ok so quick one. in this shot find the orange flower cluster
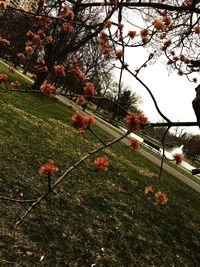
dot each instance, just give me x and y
(80, 100)
(161, 198)
(48, 88)
(135, 122)
(120, 26)
(101, 164)
(158, 24)
(197, 29)
(3, 77)
(66, 12)
(167, 20)
(37, 40)
(76, 70)
(162, 24)
(166, 44)
(149, 190)
(43, 21)
(119, 54)
(60, 70)
(144, 35)
(105, 48)
(48, 168)
(29, 50)
(107, 24)
(30, 34)
(34, 77)
(184, 59)
(178, 158)
(67, 26)
(89, 89)
(132, 34)
(41, 34)
(16, 84)
(82, 122)
(135, 144)
(49, 39)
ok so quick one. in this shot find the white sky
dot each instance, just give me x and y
(173, 93)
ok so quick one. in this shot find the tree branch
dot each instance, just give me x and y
(67, 172)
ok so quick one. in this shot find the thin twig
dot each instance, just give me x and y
(17, 200)
(163, 157)
(96, 136)
(88, 165)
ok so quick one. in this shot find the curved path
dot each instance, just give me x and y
(111, 130)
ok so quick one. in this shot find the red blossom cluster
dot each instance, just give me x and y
(82, 122)
(16, 84)
(161, 198)
(107, 24)
(48, 88)
(132, 34)
(49, 39)
(144, 35)
(89, 89)
(197, 29)
(135, 122)
(76, 70)
(66, 12)
(80, 100)
(135, 144)
(67, 26)
(119, 54)
(178, 158)
(149, 190)
(48, 168)
(3, 77)
(162, 24)
(37, 40)
(43, 21)
(60, 70)
(34, 77)
(30, 34)
(101, 164)
(104, 45)
(29, 50)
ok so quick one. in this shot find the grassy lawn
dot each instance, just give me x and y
(13, 76)
(93, 218)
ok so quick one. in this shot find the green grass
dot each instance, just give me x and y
(13, 76)
(101, 218)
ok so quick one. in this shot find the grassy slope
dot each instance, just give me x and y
(101, 218)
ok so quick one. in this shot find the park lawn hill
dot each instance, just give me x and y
(91, 218)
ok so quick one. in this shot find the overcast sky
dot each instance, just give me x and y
(173, 93)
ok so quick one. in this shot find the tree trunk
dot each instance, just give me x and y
(41, 77)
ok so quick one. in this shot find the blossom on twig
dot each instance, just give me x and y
(101, 164)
